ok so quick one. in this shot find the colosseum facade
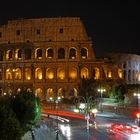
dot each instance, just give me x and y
(49, 56)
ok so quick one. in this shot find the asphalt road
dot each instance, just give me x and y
(76, 129)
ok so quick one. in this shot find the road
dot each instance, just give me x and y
(76, 129)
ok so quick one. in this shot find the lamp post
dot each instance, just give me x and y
(57, 129)
(138, 98)
(86, 106)
(101, 90)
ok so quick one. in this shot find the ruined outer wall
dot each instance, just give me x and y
(43, 29)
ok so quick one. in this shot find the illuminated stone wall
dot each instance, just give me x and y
(48, 56)
(130, 64)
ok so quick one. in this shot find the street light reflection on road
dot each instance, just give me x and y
(101, 90)
(66, 131)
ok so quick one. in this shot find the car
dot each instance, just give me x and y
(127, 130)
(115, 127)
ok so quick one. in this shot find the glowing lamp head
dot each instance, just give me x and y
(82, 106)
(138, 115)
(59, 98)
(50, 98)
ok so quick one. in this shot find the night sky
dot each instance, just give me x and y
(113, 26)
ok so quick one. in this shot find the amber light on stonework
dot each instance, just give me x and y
(73, 75)
(120, 73)
(109, 74)
(51, 75)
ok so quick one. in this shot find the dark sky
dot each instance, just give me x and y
(112, 25)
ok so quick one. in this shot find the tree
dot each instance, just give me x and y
(88, 87)
(12, 129)
(18, 114)
(118, 91)
(27, 109)
(9, 125)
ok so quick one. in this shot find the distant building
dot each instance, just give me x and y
(49, 56)
(130, 65)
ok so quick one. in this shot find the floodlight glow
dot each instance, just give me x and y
(50, 98)
(82, 106)
(76, 110)
(59, 98)
(94, 110)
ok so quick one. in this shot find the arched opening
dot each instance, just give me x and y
(61, 74)
(8, 74)
(18, 54)
(73, 92)
(49, 74)
(96, 73)
(9, 55)
(38, 74)
(109, 74)
(17, 74)
(84, 73)
(73, 74)
(49, 53)
(61, 93)
(72, 53)
(39, 93)
(61, 53)
(120, 73)
(27, 74)
(38, 53)
(50, 96)
(84, 53)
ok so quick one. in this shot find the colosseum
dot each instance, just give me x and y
(49, 56)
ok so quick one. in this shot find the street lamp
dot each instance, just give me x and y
(57, 129)
(86, 106)
(138, 98)
(101, 90)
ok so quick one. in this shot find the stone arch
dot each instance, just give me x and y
(49, 53)
(72, 53)
(18, 54)
(9, 55)
(73, 92)
(84, 72)
(49, 73)
(17, 72)
(84, 53)
(61, 93)
(28, 73)
(39, 93)
(8, 74)
(50, 96)
(72, 73)
(38, 53)
(38, 74)
(61, 74)
(96, 73)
